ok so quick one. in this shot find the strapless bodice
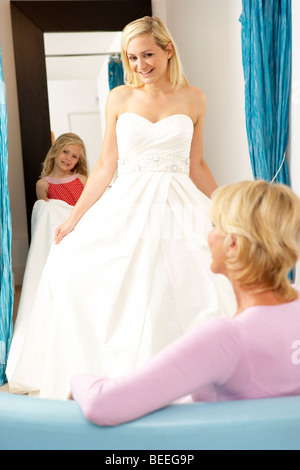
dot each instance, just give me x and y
(162, 146)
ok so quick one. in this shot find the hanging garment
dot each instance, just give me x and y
(115, 72)
(266, 46)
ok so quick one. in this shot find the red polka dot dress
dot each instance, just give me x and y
(65, 189)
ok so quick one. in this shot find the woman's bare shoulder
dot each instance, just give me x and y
(118, 98)
(120, 93)
(197, 100)
(194, 102)
(197, 94)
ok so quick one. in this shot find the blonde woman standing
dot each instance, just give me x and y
(130, 271)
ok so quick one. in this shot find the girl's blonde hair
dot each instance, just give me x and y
(58, 147)
(265, 219)
(154, 27)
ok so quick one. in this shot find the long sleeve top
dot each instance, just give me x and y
(253, 355)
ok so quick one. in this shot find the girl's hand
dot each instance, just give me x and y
(63, 230)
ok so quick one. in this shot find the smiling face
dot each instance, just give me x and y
(68, 159)
(148, 60)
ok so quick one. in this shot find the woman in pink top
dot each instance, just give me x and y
(64, 173)
(255, 242)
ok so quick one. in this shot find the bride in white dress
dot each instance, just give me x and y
(130, 271)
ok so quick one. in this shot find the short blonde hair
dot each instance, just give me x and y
(58, 147)
(154, 27)
(265, 219)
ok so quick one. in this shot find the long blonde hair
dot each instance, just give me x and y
(265, 219)
(58, 147)
(154, 27)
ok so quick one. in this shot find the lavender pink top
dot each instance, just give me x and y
(253, 355)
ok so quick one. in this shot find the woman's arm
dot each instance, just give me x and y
(200, 173)
(206, 356)
(101, 175)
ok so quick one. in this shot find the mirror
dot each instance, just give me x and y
(78, 84)
(30, 20)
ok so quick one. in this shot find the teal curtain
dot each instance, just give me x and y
(115, 72)
(266, 47)
(6, 284)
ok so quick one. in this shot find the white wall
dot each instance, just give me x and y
(15, 164)
(208, 36)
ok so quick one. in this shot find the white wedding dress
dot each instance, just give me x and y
(132, 277)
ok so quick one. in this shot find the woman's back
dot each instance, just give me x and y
(269, 336)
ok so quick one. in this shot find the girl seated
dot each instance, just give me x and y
(254, 242)
(60, 186)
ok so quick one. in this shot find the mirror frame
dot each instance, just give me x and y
(30, 20)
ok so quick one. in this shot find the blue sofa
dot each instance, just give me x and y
(267, 424)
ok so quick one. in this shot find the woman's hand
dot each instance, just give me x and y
(63, 230)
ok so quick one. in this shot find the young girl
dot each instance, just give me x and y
(64, 170)
(61, 184)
